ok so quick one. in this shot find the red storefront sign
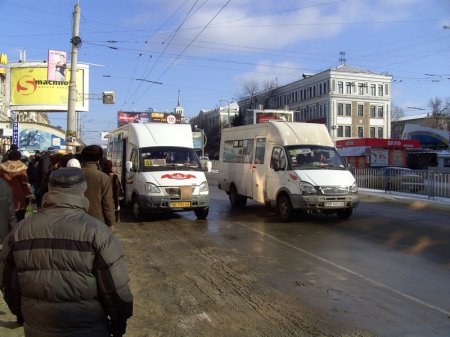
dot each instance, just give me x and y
(379, 142)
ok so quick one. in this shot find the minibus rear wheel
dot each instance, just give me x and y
(236, 200)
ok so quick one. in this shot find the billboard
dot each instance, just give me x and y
(165, 117)
(57, 64)
(125, 117)
(30, 88)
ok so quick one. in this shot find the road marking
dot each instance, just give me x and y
(376, 283)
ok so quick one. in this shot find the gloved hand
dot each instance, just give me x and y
(117, 329)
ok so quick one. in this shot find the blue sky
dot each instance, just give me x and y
(208, 49)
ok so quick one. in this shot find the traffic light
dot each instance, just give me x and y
(109, 97)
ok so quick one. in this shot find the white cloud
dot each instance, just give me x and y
(284, 72)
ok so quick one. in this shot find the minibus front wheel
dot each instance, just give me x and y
(284, 208)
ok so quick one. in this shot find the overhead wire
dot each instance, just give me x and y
(166, 45)
(188, 45)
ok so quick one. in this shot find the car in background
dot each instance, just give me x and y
(393, 178)
(206, 163)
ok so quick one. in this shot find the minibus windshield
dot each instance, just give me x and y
(168, 158)
(314, 157)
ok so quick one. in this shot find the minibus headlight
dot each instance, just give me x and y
(152, 188)
(307, 188)
(354, 188)
(204, 187)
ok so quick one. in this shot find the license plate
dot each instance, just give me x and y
(180, 204)
(334, 204)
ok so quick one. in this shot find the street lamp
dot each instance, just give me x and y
(415, 108)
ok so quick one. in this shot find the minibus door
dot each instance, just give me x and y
(258, 170)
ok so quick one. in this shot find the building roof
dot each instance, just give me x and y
(350, 69)
(412, 117)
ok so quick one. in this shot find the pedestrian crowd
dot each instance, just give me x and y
(62, 269)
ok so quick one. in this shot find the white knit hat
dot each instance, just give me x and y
(73, 163)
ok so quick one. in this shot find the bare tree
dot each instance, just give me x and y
(397, 113)
(250, 89)
(439, 108)
(268, 88)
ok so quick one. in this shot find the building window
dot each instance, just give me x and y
(348, 109)
(341, 87)
(380, 90)
(372, 132)
(325, 88)
(348, 131)
(380, 112)
(320, 89)
(360, 132)
(373, 111)
(373, 90)
(348, 87)
(360, 110)
(340, 109)
(340, 131)
(380, 132)
(361, 88)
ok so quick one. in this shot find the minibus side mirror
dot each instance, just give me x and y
(128, 166)
(276, 165)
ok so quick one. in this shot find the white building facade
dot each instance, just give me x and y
(351, 102)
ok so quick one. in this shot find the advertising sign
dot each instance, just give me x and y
(197, 138)
(57, 64)
(164, 117)
(264, 117)
(3, 58)
(379, 142)
(379, 157)
(125, 117)
(32, 90)
(15, 139)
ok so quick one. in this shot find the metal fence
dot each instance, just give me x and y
(423, 182)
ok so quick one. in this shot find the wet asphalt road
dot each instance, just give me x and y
(384, 272)
(386, 269)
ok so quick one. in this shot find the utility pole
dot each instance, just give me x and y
(71, 131)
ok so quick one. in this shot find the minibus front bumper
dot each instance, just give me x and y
(322, 202)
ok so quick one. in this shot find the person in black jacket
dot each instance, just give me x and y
(7, 210)
(62, 272)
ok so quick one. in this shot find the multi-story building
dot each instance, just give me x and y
(212, 122)
(351, 102)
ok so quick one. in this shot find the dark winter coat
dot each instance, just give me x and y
(99, 193)
(64, 272)
(15, 174)
(43, 168)
(7, 209)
